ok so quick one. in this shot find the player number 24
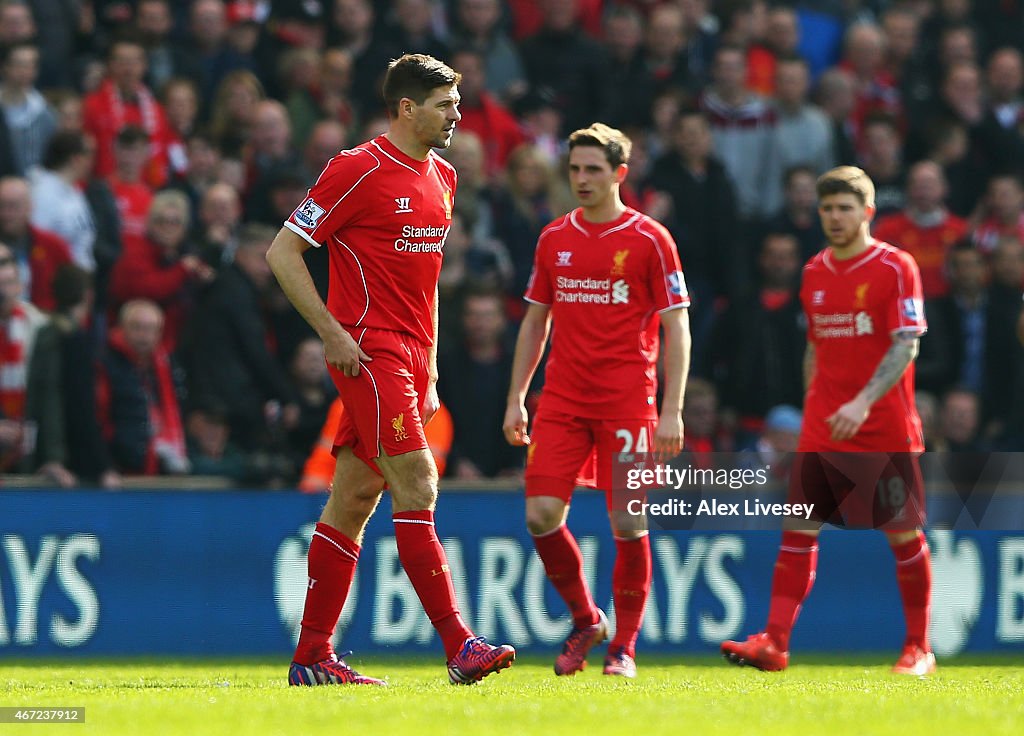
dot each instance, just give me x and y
(627, 440)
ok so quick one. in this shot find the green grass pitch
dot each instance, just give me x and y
(672, 696)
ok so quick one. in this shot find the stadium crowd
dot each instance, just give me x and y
(150, 150)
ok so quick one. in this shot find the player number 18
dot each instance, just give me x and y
(892, 492)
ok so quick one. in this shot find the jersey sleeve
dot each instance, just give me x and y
(332, 202)
(539, 287)
(668, 287)
(905, 311)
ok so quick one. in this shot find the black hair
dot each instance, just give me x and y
(70, 285)
(131, 135)
(63, 146)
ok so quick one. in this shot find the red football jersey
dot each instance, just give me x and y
(928, 245)
(606, 283)
(385, 217)
(853, 309)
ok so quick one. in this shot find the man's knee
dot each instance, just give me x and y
(628, 526)
(355, 485)
(363, 493)
(544, 514)
(412, 478)
(415, 496)
(354, 497)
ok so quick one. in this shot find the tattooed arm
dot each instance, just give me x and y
(850, 416)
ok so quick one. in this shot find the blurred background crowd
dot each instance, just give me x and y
(150, 150)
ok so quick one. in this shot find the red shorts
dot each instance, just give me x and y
(860, 490)
(384, 403)
(566, 451)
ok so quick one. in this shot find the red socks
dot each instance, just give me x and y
(564, 565)
(914, 576)
(794, 576)
(631, 583)
(425, 563)
(331, 565)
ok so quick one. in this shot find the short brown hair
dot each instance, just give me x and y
(847, 180)
(415, 76)
(615, 144)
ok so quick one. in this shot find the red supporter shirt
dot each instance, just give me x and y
(761, 63)
(384, 217)
(853, 309)
(497, 129)
(133, 200)
(988, 234)
(105, 113)
(47, 253)
(928, 246)
(606, 283)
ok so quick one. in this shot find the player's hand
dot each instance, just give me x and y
(342, 352)
(432, 402)
(514, 426)
(668, 437)
(848, 419)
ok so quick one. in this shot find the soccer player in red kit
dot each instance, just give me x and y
(864, 313)
(606, 276)
(383, 210)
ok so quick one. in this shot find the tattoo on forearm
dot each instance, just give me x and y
(893, 364)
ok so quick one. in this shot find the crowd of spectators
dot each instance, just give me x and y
(149, 150)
